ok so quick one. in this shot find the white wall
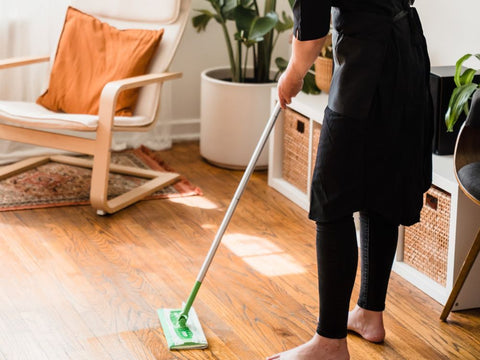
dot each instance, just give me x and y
(451, 28)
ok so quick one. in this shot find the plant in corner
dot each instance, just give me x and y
(461, 95)
(254, 33)
(234, 101)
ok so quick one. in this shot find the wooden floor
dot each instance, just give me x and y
(74, 285)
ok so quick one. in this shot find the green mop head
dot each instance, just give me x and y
(184, 334)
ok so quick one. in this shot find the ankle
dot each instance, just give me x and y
(331, 346)
(367, 315)
(367, 323)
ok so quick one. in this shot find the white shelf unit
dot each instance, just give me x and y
(464, 215)
(312, 107)
(464, 224)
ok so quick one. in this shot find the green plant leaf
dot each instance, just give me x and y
(281, 63)
(201, 21)
(285, 24)
(262, 25)
(281, 66)
(467, 76)
(458, 67)
(466, 108)
(309, 85)
(458, 101)
(228, 9)
(244, 19)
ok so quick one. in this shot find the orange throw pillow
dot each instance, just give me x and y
(91, 53)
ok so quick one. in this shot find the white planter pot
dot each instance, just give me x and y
(232, 118)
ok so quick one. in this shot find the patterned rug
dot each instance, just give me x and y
(55, 184)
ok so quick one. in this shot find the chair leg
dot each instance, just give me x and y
(22, 166)
(99, 183)
(462, 276)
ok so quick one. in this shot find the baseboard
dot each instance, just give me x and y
(184, 129)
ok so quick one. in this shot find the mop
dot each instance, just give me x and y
(181, 327)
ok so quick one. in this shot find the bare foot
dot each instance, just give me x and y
(368, 324)
(318, 348)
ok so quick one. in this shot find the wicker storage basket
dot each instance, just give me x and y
(296, 136)
(426, 243)
(323, 73)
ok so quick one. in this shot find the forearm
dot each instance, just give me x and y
(304, 54)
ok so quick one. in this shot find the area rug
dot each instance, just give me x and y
(55, 184)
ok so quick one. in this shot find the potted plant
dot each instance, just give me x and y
(235, 100)
(255, 34)
(461, 95)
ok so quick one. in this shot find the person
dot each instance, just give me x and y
(374, 155)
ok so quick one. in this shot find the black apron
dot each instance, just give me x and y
(375, 145)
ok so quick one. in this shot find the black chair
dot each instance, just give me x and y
(467, 172)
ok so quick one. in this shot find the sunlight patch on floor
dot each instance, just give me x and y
(210, 226)
(195, 201)
(262, 255)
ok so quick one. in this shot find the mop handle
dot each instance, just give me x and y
(238, 193)
(231, 208)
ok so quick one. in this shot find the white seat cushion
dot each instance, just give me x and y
(32, 114)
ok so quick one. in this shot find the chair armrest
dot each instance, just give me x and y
(19, 61)
(138, 81)
(108, 98)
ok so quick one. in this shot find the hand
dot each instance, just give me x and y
(289, 85)
(304, 54)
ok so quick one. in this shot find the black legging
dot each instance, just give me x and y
(337, 258)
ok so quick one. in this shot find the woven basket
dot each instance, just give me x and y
(296, 131)
(426, 243)
(323, 73)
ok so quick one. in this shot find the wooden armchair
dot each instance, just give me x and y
(467, 172)
(34, 124)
